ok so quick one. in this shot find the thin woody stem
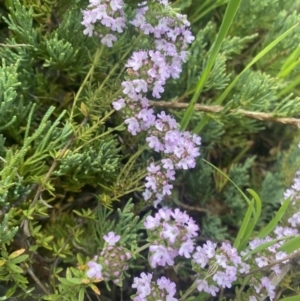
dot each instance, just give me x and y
(218, 109)
(56, 161)
(293, 255)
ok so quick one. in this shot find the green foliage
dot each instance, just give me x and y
(68, 168)
(6, 231)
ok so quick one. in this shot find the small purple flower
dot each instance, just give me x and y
(261, 261)
(163, 288)
(119, 104)
(222, 279)
(186, 248)
(116, 4)
(133, 125)
(94, 270)
(210, 289)
(108, 40)
(160, 256)
(111, 238)
(143, 284)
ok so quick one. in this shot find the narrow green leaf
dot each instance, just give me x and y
(52, 297)
(291, 245)
(247, 226)
(253, 222)
(19, 278)
(257, 212)
(230, 12)
(19, 259)
(244, 226)
(289, 87)
(254, 60)
(75, 280)
(263, 247)
(65, 281)
(274, 222)
(14, 268)
(81, 295)
(10, 291)
(262, 53)
(294, 298)
(222, 173)
(288, 62)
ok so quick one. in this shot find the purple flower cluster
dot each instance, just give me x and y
(94, 270)
(171, 234)
(111, 263)
(147, 290)
(220, 264)
(262, 287)
(147, 72)
(260, 282)
(294, 191)
(168, 36)
(108, 13)
(268, 255)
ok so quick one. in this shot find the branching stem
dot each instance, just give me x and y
(218, 109)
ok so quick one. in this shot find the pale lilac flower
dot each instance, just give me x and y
(200, 257)
(116, 4)
(94, 270)
(276, 269)
(100, 12)
(222, 260)
(186, 248)
(140, 85)
(154, 143)
(157, 89)
(287, 231)
(270, 288)
(222, 264)
(137, 59)
(295, 219)
(119, 104)
(222, 279)
(89, 30)
(108, 40)
(170, 232)
(133, 125)
(209, 249)
(118, 24)
(244, 268)
(147, 194)
(151, 222)
(143, 284)
(163, 288)
(160, 256)
(111, 238)
(210, 289)
(261, 261)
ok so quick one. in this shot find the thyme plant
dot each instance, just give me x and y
(146, 148)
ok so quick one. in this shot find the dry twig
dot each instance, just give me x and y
(218, 109)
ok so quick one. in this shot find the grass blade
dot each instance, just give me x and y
(291, 245)
(244, 225)
(274, 222)
(222, 173)
(262, 53)
(231, 10)
(293, 298)
(252, 224)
